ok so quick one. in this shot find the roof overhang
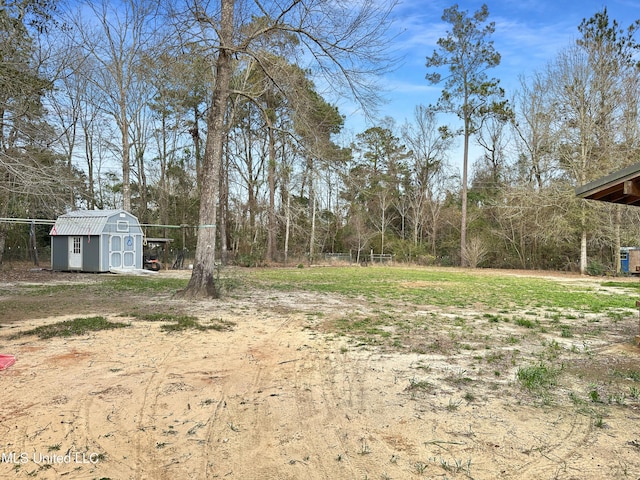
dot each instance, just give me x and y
(621, 187)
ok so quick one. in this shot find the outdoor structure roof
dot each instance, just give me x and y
(622, 187)
(83, 222)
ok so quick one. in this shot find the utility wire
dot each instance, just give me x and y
(42, 221)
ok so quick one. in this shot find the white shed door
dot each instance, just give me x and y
(75, 253)
(123, 251)
(128, 252)
(115, 249)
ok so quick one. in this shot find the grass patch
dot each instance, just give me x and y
(177, 323)
(537, 377)
(183, 322)
(154, 317)
(565, 331)
(627, 285)
(71, 328)
(445, 288)
(363, 326)
(142, 285)
(524, 322)
(418, 385)
(492, 318)
(91, 295)
(370, 330)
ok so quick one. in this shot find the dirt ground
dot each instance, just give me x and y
(276, 398)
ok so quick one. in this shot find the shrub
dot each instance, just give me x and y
(596, 269)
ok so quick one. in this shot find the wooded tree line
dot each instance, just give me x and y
(110, 105)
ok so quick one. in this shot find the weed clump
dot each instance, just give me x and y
(537, 377)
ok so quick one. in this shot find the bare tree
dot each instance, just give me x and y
(116, 41)
(586, 87)
(493, 138)
(429, 144)
(612, 53)
(346, 43)
(532, 124)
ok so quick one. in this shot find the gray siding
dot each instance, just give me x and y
(91, 254)
(59, 253)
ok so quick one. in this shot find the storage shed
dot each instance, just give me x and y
(96, 241)
(630, 260)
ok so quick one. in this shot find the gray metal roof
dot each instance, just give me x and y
(86, 222)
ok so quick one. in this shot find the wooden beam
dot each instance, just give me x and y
(631, 188)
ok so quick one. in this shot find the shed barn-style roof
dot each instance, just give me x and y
(84, 222)
(622, 187)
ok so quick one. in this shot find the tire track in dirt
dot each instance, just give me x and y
(92, 403)
(148, 462)
(325, 400)
(561, 444)
(369, 444)
(500, 443)
(285, 410)
(211, 422)
(100, 420)
(177, 407)
(249, 417)
(50, 415)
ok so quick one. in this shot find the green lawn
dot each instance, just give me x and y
(443, 288)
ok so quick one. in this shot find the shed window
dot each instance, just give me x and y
(76, 245)
(122, 226)
(624, 255)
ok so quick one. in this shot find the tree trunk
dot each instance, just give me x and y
(271, 174)
(382, 230)
(287, 229)
(142, 187)
(203, 283)
(463, 221)
(3, 239)
(618, 241)
(195, 135)
(224, 208)
(126, 165)
(583, 243)
(90, 163)
(163, 193)
(312, 240)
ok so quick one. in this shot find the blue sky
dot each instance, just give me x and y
(528, 34)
